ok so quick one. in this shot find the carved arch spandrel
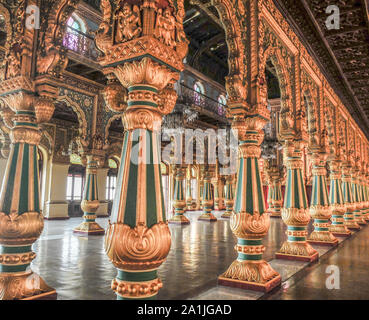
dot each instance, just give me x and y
(82, 129)
(236, 36)
(330, 122)
(108, 125)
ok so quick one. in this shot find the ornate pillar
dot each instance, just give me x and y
(275, 200)
(207, 200)
(336, 200)
(201, 189)
(249, 221)
(366, 191)
(90, 201)
(320, 209)
(179, 200)
(144, 51)
(21, 220)
(364, 208)
(229, 197)
(295, 213)
(350, 221)
(356, 196)
(189, 190)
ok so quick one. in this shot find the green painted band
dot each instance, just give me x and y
(27, 124)
(335, 223)
(290, 238)
(147, 88)
(321, 229)
(248, 141)
(19, 268)
(142, 103)
(30, 113)
(10, 250)
(244, 242)
(245, 257)
(292, 228)
(321, 220)
(89, 220)
(137, 276)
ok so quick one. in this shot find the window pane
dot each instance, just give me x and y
(77, 192)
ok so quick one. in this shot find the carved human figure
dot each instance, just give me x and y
(129, 23)
(165, 27)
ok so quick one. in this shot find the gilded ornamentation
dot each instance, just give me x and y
(140, 248)
(142, 290)
(20, 229)
(245, 225)
(128, 22)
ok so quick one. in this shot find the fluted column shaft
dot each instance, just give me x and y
(21, 220)
(356, 196)
(229, 198)
(320, 209)
(207, 200)
(350, 221)
(275, 199)
(90, 201)
(249, 220)
(336, 200)
(179, 200)
(189, 195)
(295, 209)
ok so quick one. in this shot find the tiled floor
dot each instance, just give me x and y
(78, 268)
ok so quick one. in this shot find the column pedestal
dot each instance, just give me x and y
(90, 202)
(229, 198)
(179, 201)
(207, 201)
(295, 213)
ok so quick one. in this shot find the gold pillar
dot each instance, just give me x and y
(144, 51)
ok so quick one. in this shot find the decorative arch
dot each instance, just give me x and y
(108, 124)
(233, 19)
(82, 130)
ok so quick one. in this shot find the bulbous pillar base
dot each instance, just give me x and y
(359, 219)
(250, 275)
(276, 212)
(179, 219)
(338, 227)
(321, 234)
(89, 228)
(350, 222)
(25, 286)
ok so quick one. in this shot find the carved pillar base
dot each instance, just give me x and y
(24, 285)
(179, 201)
(229, 198)
(321, 234)
(249, 271)
(338, 227)
(276, 211)
(90, 202)
(207, 202)
(295, 214)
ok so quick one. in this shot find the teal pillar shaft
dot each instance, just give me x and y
(295, 209)
(356, 197)
(138, 239)
(350, 220)
(320, 209)
(21, 220)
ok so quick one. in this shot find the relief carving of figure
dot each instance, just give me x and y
(165, 27)
(129, 23)
(105, 7)
(13, 61)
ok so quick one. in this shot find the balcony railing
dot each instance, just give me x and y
(192, 97)
(80, 43)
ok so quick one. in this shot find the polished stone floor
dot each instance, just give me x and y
(78, 268)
